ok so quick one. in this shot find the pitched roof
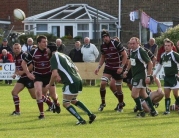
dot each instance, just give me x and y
(72, 12)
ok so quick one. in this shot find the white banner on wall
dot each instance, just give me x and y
(7, 70)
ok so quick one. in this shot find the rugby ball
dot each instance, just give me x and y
(19, 14)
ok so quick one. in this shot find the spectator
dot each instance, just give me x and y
(90, 54)
(152, 46)
(6, 57)
(5, 46)
(60, 46)
(89, 51)
(27, 48)
(75, 54)
(162, 50)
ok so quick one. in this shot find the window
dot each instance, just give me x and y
(104, 26)
(112, 27)
(26, 27)
(41, 33)
(83, 34)
(41, 27)
(112, 34)
(83, 30)
(83, 26)
(31, 27)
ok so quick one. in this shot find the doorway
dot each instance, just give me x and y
(69, 31)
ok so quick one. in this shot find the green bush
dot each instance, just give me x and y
(66, 37)
(78, 38)
(23, 38)
(172, 34)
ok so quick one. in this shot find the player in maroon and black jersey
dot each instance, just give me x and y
(41, 74)
(114, 56)
(23, 81)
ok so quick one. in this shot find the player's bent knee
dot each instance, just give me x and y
(104, 79)
(14, 93)
(118, 83)
(66, 103)
(74, 100)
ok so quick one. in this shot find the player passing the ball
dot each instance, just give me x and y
(64, 70)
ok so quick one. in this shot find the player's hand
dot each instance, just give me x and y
(119, 70)
(19, 73)
(58, 79)
(13, 76)
(125, 74)
(96, 71)
(30, 76)
(154, 76)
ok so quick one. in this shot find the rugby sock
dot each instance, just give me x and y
(46, 100)
(16, 103)
(167, 104)
(73, 111)
(103, 94)
(119, 96)
(138, 103)
(149, 103)
(83, 107)
(177, 100)
(40, 105)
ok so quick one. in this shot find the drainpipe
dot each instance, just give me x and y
(119, 21)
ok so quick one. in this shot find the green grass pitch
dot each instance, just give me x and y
(108, 124)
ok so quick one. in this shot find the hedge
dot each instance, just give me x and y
(171, 33)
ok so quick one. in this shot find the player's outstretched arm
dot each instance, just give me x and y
(157, 81)
(54, 77)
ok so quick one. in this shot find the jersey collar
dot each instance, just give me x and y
(136, 49)
(168, 53)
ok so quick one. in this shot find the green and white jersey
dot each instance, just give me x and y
(170, 61)
(139, 60)
(66, 68)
